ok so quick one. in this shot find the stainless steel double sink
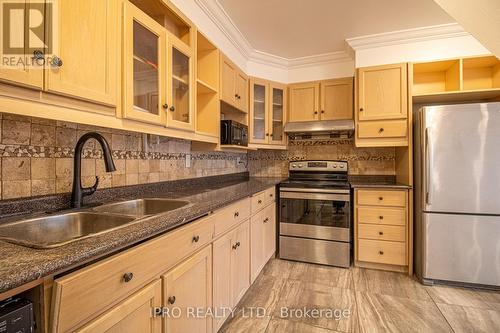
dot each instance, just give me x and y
(55, 230)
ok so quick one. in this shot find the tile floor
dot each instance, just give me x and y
(365, 300)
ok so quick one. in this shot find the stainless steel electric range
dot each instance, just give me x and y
(315, 223)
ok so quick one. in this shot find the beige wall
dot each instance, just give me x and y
(37, 158)
(362, 161)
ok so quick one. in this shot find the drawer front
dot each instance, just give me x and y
(374, 215)
(229, 217)
(382, 232)
(262, 199)
(383, 129)
(84, 294)
(382, 252)
(381, 198)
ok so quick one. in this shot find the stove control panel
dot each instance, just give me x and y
(339, 166)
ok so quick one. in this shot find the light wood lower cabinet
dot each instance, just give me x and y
(132, 315)
(263, 237)
(382, 233)
(231, 269)
(188, 288)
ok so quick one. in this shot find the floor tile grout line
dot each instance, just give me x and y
(442, 314)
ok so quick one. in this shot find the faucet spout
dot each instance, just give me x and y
(78, 191)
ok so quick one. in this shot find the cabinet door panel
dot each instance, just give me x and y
(189, 285)
(132, 315)
(383, 92)
(222, 281)
(337, 99)
(259, 110)
(304, 100)
(240, 263)
(21, 73)
(145, 71)
(270, 232)
(277, 112)
(227, 81)
(257, 235)
(242, 91)
(180, 112)
(89, 55)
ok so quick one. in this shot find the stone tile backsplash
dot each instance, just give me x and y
(37, 158)
(362, 161)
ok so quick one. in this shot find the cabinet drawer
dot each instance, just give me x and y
(382, 252)
(374, 215)
(381, 198)
(382, 232)
(262, 199)
(84, 294)
(383, 129)
(228, 217)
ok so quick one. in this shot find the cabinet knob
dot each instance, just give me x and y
(381, 130)
(238, 244)
(361, 109)
(236, 214)
(381, 198)
(196, 239)
(259, 202)
(56, 61)
(381, 252)
(127, 277)
(322, 111)
(165, 106)
(380, 233)
(315, 112)
(381, 217)
(38, 54)
(235, 246)
(266, 220)
(171, 300)
(267, 134)
(172, 108)
(271, 195)
(236, 95)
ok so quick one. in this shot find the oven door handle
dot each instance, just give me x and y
(315, 196)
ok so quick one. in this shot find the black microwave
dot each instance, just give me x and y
(233, 133)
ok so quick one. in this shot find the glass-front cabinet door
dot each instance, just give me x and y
(277, 107)
(180, 111)
(259, 128)
(145, 44)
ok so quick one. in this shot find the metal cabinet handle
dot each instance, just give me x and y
(56, 61)
(381, 198)
(172, 108)
(259, 201)
(381, 130)
(127, 277)
(361, 109)
(381, 252)
(165, 106)
(236, 214)
(322, 111)
(38, 54)
(381, 217)
(235, 246)
(171, 300)
(271, 195)
(266, 220)
(196, 239)
(267, 134)
(315, 112)
(238, 244)
(380, 233)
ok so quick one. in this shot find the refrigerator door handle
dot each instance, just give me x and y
(428, 163)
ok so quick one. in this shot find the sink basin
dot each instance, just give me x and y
(142, 207)
(57, 230)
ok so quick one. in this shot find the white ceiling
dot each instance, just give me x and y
(299, 28)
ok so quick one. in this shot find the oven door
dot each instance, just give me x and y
(316, 215)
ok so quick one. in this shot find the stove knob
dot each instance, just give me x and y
(301, 165)
(294, 166)
(335, 166)
(342, 166)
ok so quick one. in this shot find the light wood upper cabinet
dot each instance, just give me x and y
(277, 113)
(23, 74)
(132, 315)
(233, 85)
(89, 57)
(145, 71)
(382, 92)
(189, 285)
(337, 99)
(180, 113)
(304, 102)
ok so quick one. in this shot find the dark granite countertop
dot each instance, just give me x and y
(20, 265)
(376, 181)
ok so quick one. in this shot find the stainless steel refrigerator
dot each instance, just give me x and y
(457, 193)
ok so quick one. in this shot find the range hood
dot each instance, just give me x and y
(324, 128)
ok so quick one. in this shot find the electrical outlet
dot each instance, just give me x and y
(188, 160)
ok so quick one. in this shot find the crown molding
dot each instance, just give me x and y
(442, 31)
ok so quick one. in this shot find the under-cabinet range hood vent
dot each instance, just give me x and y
(333, 129)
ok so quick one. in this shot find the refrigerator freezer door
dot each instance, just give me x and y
(460, 158)
(462, 248)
